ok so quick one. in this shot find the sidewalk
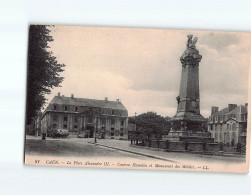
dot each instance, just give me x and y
(162, 155)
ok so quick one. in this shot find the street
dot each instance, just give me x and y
(106, 148)
(73, 147)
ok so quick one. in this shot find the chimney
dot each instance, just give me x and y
(58, 94)
(106, 99)
(231, 107)
(72, 96)
(117, 101)
(214, 110)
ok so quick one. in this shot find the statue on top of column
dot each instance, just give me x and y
(191, 43)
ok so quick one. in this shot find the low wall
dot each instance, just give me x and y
(184, 146)
(195, 146)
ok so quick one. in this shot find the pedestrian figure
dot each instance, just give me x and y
(150, 143)
(158, 143)
(232, 143)
(43, 136)
(238, 149)
(186, 145)
(131, 141)
(221, 146)
(204, 146)
(167, 144)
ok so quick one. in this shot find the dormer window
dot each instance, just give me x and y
(55, 107)
(76, 109)
(65, 108)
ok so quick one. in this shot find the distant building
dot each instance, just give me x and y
(228, 125)
(86, 117)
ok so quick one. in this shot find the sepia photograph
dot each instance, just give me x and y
(137, 98)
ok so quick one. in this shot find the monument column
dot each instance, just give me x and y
(188, 121)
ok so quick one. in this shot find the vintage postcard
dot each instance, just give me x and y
(134, 98)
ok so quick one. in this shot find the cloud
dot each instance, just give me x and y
(142, 66)
(219, 41)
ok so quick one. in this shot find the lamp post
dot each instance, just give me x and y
(96, 126)
(135, 126)
(135, 121)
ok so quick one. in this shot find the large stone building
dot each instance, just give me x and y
(86, 117)
(228, 125)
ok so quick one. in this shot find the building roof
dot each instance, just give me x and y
(238, 110)
(62, 100)
(221, 112)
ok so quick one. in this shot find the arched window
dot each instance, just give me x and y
(234, 127)
(216, 137)
(234, 136)
(55, 117)
(220, 137)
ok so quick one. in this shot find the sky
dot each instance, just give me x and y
(142, 68)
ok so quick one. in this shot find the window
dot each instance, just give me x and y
(112, 121)
(76, 109)
(121, 134)
(112, 129)
(54, 126)
(234, 126)
(227, 126)
(75, 126)
(112, 134)
(113, 112)
(65, 126)
(121, 129)
(90, 119)
(76, 119)
(103, 121)
(122, 123)
(55, 107)
(65, 118)
(55, 117)
(65, 108)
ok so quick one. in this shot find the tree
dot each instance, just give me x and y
(43, 70)
(150, 124)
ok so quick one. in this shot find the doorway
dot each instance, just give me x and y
(90, 128)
